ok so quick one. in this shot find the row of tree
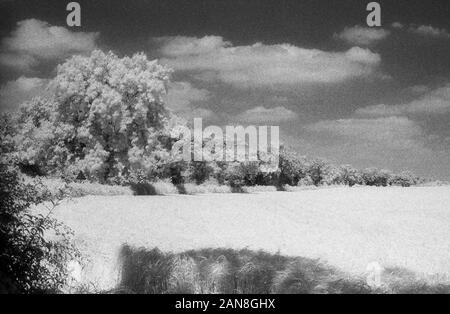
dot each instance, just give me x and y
(106, 121)
(293, 170)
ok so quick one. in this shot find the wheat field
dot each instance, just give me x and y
(348, 228)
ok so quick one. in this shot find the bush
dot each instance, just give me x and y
(292, 168)
(317, 171)
(201, 171)
(31, 262)
(234, 176)
(404, 179)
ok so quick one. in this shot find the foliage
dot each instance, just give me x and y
(292, 168)
(248, 272)
(229, 271)
(7, 132)
(351, 176)
(405, 179)
(201, 171)
(107, 118)
(30, 261)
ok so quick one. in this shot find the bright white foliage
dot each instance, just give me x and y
(107, 118)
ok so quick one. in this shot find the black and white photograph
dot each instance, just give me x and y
(238, 148)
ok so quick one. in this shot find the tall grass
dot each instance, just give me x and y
(228, 271)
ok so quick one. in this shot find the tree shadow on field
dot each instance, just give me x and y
(228, 271)
(143, 189)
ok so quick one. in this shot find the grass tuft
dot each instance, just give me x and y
(227, 271)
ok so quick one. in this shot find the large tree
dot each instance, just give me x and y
(106, 118)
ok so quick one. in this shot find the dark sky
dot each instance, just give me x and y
(338, 90)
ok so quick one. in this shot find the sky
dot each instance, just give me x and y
(337, 88)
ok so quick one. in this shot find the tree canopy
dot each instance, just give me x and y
(106, 118)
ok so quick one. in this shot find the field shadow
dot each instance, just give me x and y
(228, 271)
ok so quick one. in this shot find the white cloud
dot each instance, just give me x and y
(14, 93)
(181, 95)
(17, 61)
(423, 30)
(362, 36)
(397, 25)
(184, 99)
(262, 114)
(436, 101)
(262, 65)
(430, 31)
(204, 113)
(35, 40)
(418, 89)
(179, 46)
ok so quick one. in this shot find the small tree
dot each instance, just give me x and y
(292, 168)
(317, 171)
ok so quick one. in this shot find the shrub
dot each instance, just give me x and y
(249, 172)
(234, 176)
(405, 179)
(317, 171)
(201, 171)
(30, 262)
(292, 168)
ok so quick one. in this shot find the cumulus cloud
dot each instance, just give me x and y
(397, 25)
(436, 101)
(34, 40)
(261, 114)
(204, 113)
(182, 95)
(179, 46)
(17, 61)
(430, 31)
(423, 30)
(184, 99)
(13, 93)
(261, 65)
(362, 36)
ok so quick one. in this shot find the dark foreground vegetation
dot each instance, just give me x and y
(228, 271)
(34, 247)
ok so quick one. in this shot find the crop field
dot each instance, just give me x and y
(347, 228)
